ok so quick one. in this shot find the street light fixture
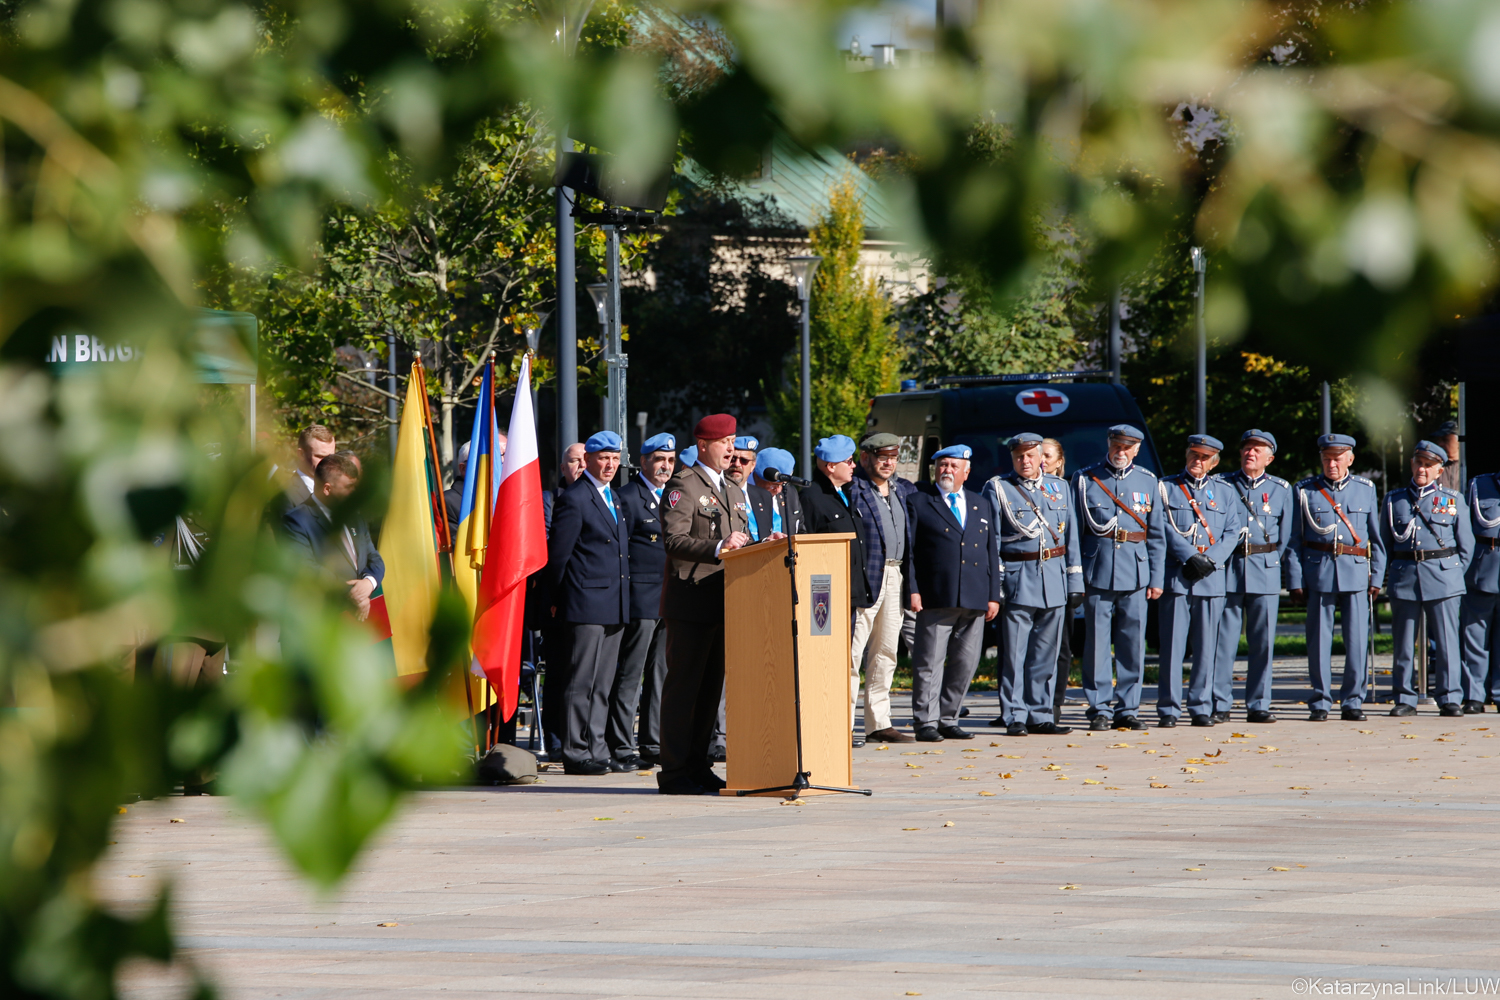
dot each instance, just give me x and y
(599, 292)
(1200, 268)
(804, 266)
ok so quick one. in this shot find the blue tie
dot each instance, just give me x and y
(775, 516)
(609, 501)
(657, 491)
(750, 523)
(957, 508)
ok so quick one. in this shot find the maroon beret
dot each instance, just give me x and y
(715, 426)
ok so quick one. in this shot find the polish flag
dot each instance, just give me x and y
(518, 548)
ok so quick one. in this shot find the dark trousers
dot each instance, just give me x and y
(690, 697)
(593, 652)
(1064, 666)
(637, 688)
(554, 683)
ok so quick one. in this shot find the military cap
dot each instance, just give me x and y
(689, 456)
(1335, 441)
(775, 458)
(1430, 450)
(1205, 441)
(603, 441)
(1024, 440)
(1258, 435)
(746, 443)
(962, 451)
(715, 426)
(1126, 431)
(839, 448)
(875, 442)
(1447, 427)
(658, 442)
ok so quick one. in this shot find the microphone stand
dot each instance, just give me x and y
(801, 782)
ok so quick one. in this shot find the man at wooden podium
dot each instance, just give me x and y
(703, 516)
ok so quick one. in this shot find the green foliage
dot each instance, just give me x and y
(853, 350)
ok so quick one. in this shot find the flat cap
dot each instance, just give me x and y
(875, 442)
(658, 442)
(1126, 431)
(1335, 441)
(1205, 441)
(1259, 435)
(962, 451)
(775, 458)
(715, 426)
(839, 448)
(1024, 440)
(746, 443)
(603, 441)
(689, 456)
(1430, 450)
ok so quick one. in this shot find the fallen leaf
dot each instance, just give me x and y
(1116, 746)
(1242, 736)
(603, 819)
(1102, 767)
(1268, 748)
(1301, 866)
(176, 820)
(1481, 729)
(987, 794)
(389, 924)
(967, 777)
(910, 764)
(1074, 744)
(1216, 753)
(135, 876)
(1450, 777)
(1300, 788)
(1112, 788)
(1407, 736)
(882, 748)
(938, 752)
(1367, 732)
(911, 828)
(1192, 869)
(1189, 770)
(1007, 774)
(1010, 756)
(1276, 868)
(789, 802)
(970, 750)
(994, 744)
(949, 823)
(123, 810)
(912, 993)
(1158, 784)
(1195, 760)
(1070, 885)
(1050, 767)
(1062, 777)
(911, 753)
(1148, 751)
(1441, 739)
(1091, 781)
(1195, 781)
(640, 838)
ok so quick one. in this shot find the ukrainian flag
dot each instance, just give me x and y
(472, 536)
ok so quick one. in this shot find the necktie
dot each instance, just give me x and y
(609, 501)
(657, 491)
(957, 508)
(775, 515)
(752, 526)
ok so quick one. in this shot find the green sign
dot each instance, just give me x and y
(224, 349)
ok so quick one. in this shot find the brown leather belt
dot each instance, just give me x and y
(1339, 549)
(1121, 535)
(1044, 555)
(1249, 549)
(1493, 543)
(1422, 555)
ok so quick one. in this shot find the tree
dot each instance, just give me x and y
(854, 353)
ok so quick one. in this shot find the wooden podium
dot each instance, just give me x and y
(760, 700)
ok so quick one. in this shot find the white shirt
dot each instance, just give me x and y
(650, 485)
(308, 482)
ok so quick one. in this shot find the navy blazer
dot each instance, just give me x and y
(826, 513)
(648, 552)
(311, 532)
(947, 565)
(588, 558)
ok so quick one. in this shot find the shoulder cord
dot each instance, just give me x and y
(1309, 520)
(1192, 528)
(1250, 508)
(1390, 514)
(1028, 532)
(1107, 527)
(1480, 519)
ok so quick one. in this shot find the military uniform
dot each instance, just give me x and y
(1040, 568)
(1252, 585)
(1202, 518)
(1480, 606)
(1123, 548)
(1428, 543)
(1336, 557)
(697, 516)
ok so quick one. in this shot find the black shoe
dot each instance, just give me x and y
(1402, 711)
(955, 733)
(1203, 721)
(618, 766)
(1129, 722)
(1259, 718)
(1099, 724)
(1472, 707)
(963, 713)
(1317, 715)
(711, 782)
(1352, 715)
(857, 741)
(1450, 710)
(1049, 729)
(633, 763)
(716, 754)
(1220, 716)
(590, 767)
(681, 786)
(1016, 729)
(654, 759)
(998, 722)
(1166, 722)
(929, 734)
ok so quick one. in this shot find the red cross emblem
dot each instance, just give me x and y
(1042, 402)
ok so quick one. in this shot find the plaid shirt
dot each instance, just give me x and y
(863, 497)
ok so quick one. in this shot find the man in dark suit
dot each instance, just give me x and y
(826, 508)
(314, 444)
(643, 652)
(588, 580)
(333, 539)
(774, 509)
(953, 584)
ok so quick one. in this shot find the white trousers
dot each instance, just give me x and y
(877, 628)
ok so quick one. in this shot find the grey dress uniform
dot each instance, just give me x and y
(1428, 543)
(1336, 556)
(1480, 606)
(1123, 546)
(1252, 586)
(1202, 516)
(1040, 567)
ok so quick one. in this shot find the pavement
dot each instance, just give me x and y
(1279, 860)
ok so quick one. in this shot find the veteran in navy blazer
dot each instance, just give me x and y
(952, 582)
(774, 507)
(588, 580)
(329, 538)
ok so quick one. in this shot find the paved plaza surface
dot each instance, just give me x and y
(1240, 861)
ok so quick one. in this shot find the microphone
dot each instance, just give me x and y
(777, 476)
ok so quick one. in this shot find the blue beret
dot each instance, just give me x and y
(1126, 431)
(839, 448)
(659, 442)
(775, 458)
(1335, 441)
(1432, 448)
(962, 451)
(603, 441)
(746, 443)
(1265, 436)
(1205, 441)
(689, 456)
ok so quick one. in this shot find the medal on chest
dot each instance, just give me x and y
(1265, 503)
(1211, 504)
(710, 503)
(1444, 505)
(1140, 502)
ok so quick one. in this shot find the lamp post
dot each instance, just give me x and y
(1200, 268)
(570, 16)
(803, 267)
